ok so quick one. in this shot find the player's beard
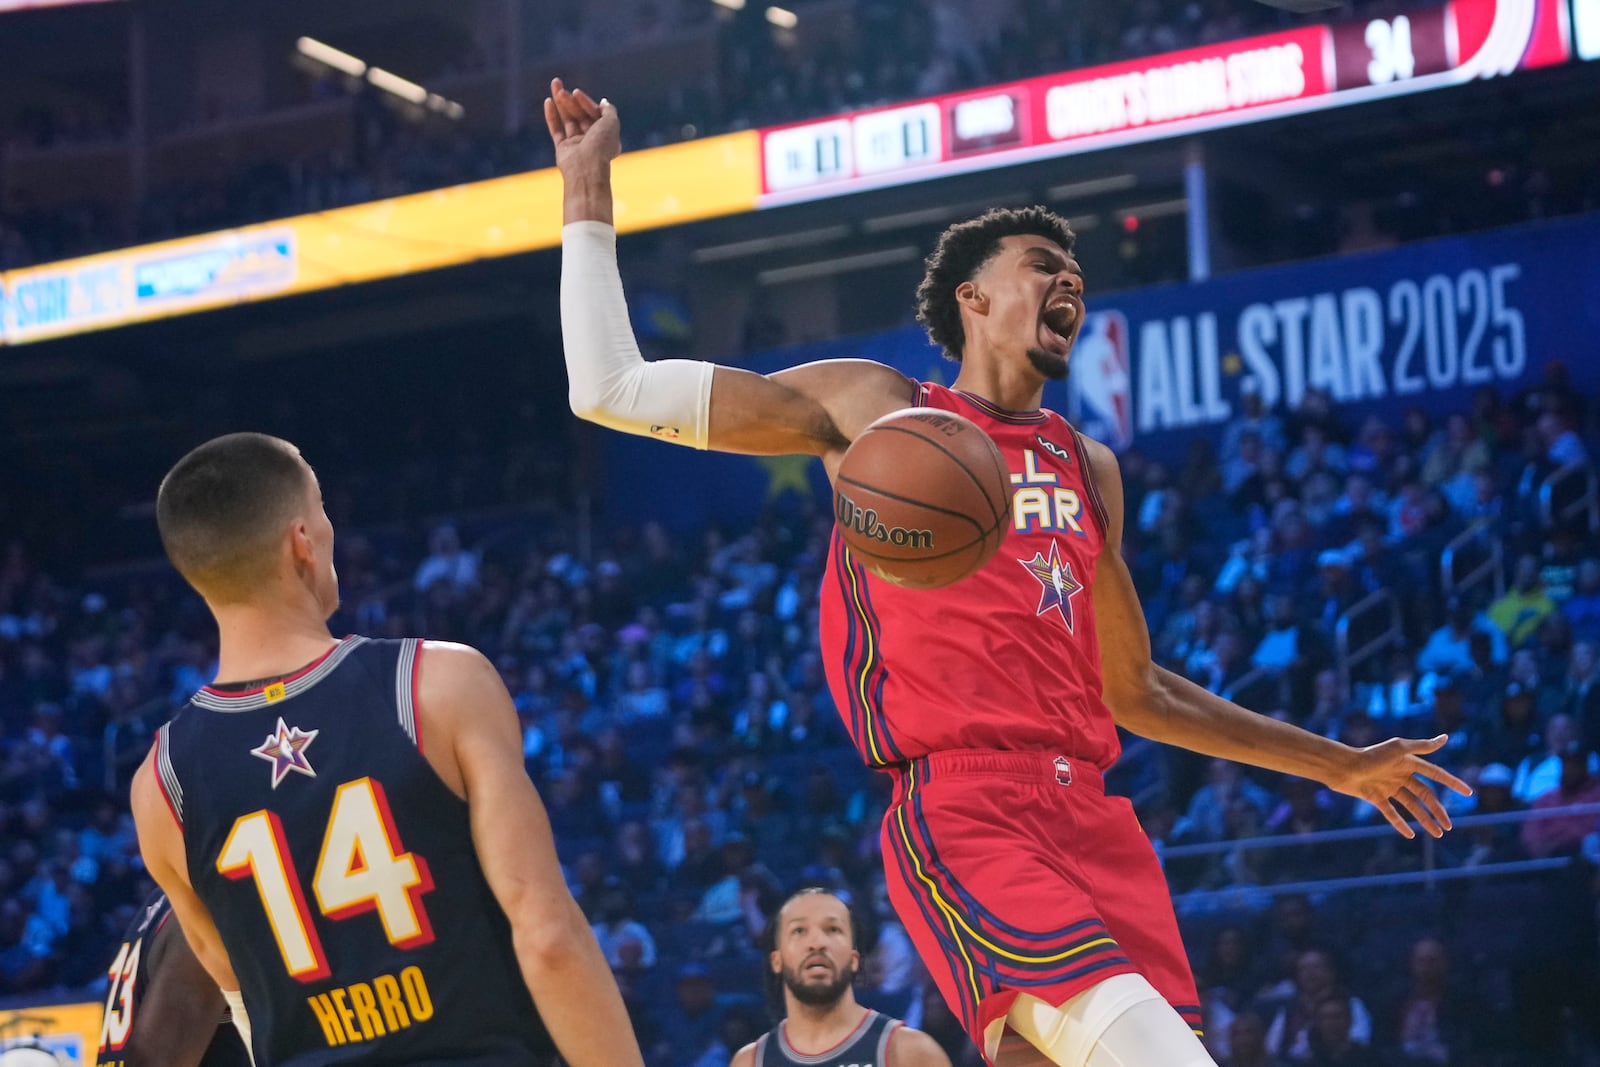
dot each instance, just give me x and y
(819, 994)
(1053, 365)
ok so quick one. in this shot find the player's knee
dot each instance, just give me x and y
(1149, 1034)
(1122, 1018)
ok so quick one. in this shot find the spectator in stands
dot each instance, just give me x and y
(1247, 1043)
(1449, 648)
(1514, 734)
(1285, 646)
(1315, 982)
(1206, 817)
(1580, 696)
(1541, 772)
(1579, 784)
(1527, 670)
(1433, 1022)
(690, 1022)
(1561, 443)
(1331, 1042)
(1524, 606)
(1227, 982)
(1495, 842)
(447, 562)
(616, 928)
(1254, 420)
(1334, 592)
(1582, 608)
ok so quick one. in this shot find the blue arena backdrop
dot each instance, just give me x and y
(1422, 325)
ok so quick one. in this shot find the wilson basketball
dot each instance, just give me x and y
(922, 498)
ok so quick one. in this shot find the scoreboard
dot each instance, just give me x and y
(1305, 69)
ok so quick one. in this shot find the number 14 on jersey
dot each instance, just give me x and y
(362, 867)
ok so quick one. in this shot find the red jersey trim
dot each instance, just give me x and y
(995, 411)
(1096, 501)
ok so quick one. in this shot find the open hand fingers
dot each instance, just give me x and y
(1440, 775)
(1425, 808)
(591, 109)
(552, 120)
(574, 119)
(1386, 808)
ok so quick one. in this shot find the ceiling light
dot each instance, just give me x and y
(1092, 187)
(838, 265)
(756, 246)
(390, 82)
(782, 17)
(330, 56)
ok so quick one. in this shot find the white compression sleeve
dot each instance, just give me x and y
(1120, 1022)
(609, 382)
(241, 1018)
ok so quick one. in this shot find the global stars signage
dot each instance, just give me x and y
(1319, 66)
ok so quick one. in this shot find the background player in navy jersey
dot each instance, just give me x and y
(345, 827)
(814, 958)
(162, 1008)
(1034, 898)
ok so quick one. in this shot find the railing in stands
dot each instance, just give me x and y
(1492, 568)
(1553, 513)
(1430, 873)
(1347, 658)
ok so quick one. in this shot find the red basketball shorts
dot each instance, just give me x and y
(1013, 872)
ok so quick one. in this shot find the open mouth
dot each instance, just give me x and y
(1060, 319)
(819, 968)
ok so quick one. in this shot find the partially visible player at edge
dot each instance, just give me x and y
(813, 956)
(1034, 899)
(344, 827)
(162, 1008)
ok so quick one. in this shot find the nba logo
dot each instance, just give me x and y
(1100, 391)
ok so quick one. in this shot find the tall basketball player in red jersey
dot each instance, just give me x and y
(1034, 898)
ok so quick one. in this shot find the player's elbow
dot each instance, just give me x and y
(551, 940)
(586, 403)
(1135, 696)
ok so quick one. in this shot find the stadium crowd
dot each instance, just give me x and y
(676, 719)
(896, 50)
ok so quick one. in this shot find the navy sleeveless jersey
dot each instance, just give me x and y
(867, 1046)
(131, 978)
(341, 872)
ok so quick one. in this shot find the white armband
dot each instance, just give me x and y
(609, 382)
(241, 1018)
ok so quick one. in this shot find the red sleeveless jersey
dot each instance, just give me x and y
(1005, 659)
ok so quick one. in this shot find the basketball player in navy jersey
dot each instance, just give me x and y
(814, 956)
(162, 1008)
(344, 827)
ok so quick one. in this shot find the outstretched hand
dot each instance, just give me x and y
(1386, 775)
(586, 133)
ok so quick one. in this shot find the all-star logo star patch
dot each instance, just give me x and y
(1057, 585)
(285, 748)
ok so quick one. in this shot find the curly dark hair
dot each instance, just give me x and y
(962, 250)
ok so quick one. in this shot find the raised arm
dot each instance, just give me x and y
(1156, 703)
(815, 409)
(475, 745)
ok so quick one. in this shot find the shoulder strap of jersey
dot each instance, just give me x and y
(1095, 500)
(166, 776)
(405, 688)
(760, 1057)
(889, 1026)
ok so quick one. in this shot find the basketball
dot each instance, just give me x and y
(922, 498)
